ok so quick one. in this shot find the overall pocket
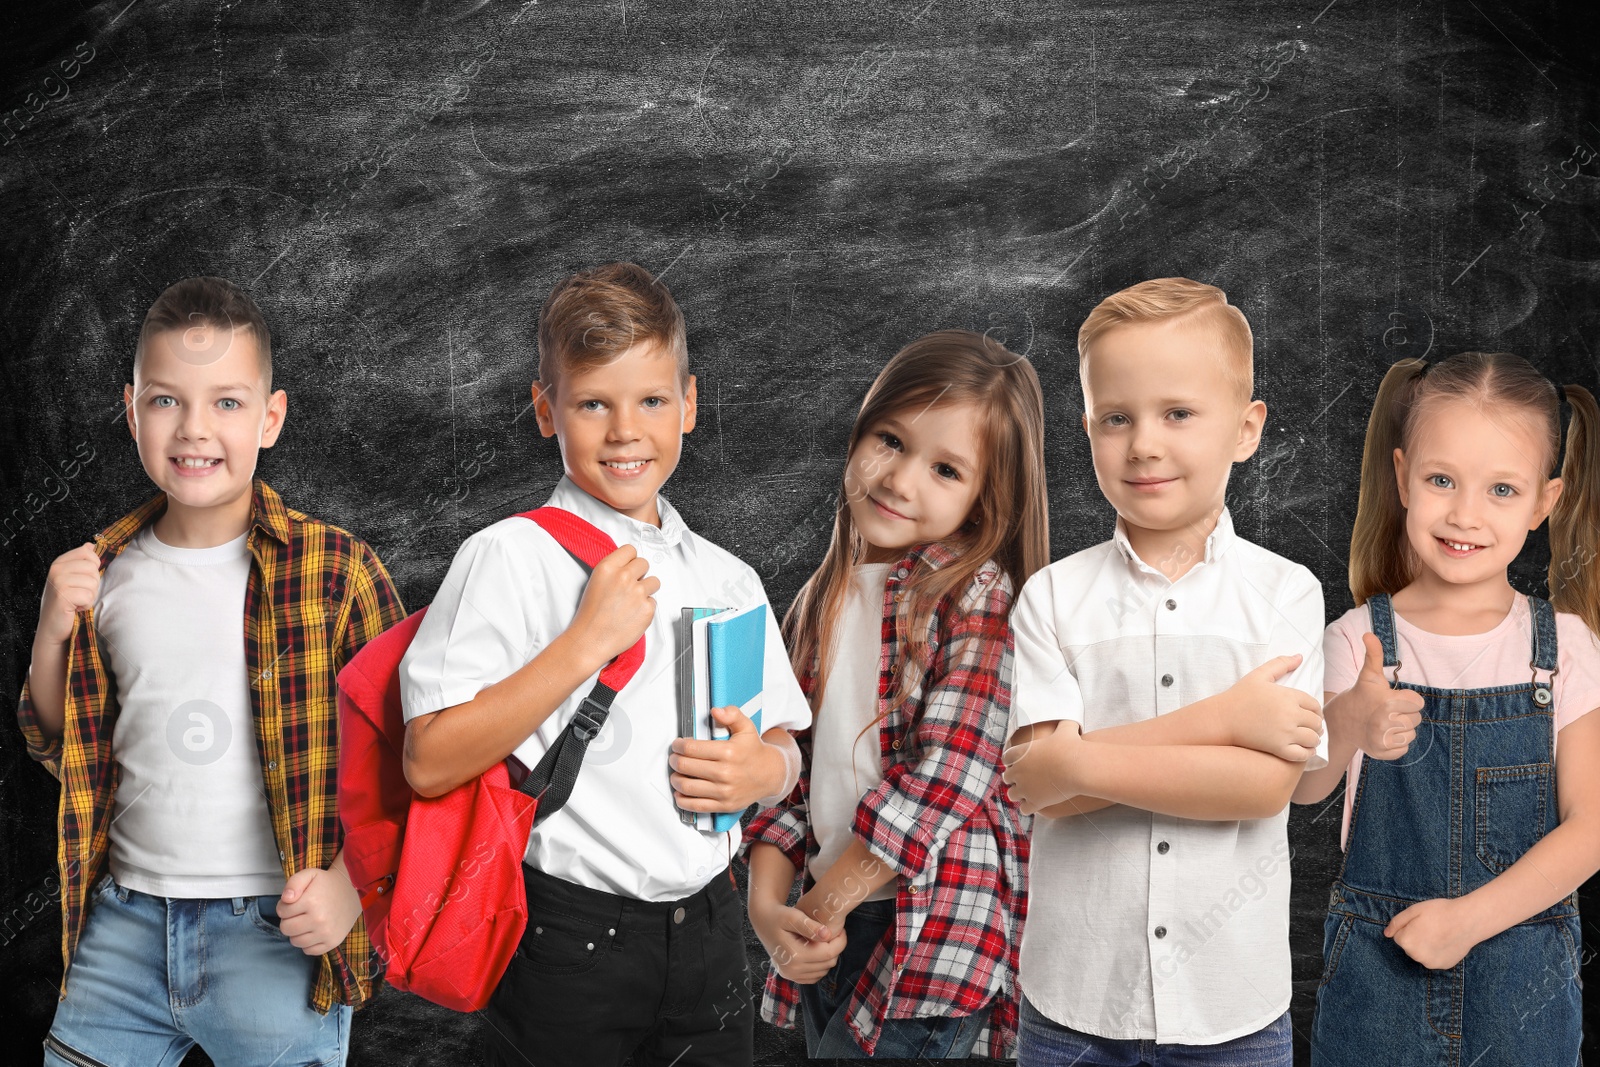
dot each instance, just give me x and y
(1335, 932)
(1511, 809)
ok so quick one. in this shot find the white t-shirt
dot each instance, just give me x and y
(846, 763)
(190, 818)
(1467, 661)
(1144, 926)
(512, 589)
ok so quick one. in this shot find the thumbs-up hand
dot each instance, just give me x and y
(1276, 719)
(1382, 720)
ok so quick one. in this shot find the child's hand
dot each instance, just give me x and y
(1261, 715)
(1383, 721)
(317, 909)
(70, 587)
(726, 775)
(1039, 769)
(1435, 933)
(617, 604)
(802, 950)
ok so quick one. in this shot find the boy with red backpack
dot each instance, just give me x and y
(634, 940)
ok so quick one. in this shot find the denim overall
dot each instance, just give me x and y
(1475, 791)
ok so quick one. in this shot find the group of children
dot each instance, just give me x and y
(1036, 810)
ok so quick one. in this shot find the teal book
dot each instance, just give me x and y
(735, 652)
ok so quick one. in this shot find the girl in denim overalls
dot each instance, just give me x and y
(1452, 935)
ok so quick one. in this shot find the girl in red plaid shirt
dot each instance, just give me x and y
(903, 943)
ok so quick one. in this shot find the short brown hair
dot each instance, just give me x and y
(1161, 299)
(592, 317)
(206, 301)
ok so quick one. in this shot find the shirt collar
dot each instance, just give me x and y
(1217, 543)
(267, 513)
(934, 554)
(621, 528)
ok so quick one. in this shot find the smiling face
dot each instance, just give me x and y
(199, 421)
(620, 426)
(1473, 485)
(1165, 425)
(914, 477)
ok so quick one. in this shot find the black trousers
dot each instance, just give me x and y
(599, 977)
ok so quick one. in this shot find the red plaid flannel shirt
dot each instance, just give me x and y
(940, 818)
(316, 595)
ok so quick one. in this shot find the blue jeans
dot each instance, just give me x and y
(823, 1005)
(153, 976)
(1042, 1042)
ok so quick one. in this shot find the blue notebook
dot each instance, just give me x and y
(735, 650)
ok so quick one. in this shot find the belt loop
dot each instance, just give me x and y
(122, 892)
(624, 917)
(712, 904)
(238, 905)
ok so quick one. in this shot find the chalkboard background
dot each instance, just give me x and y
(400, 184)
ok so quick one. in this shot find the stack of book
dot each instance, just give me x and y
(719, 664)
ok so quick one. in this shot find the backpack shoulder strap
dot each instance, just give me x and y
(551, 781)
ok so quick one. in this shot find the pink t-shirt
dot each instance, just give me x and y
(1473, 661)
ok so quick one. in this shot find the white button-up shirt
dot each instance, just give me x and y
(510, 590)
(1145, 926)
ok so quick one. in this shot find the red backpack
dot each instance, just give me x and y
(440, 877)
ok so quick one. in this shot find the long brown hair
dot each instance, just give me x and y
(943, 368)
(1381, 557)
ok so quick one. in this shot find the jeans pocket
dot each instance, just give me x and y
(263, 912)
(1510, 812)
(557, 943)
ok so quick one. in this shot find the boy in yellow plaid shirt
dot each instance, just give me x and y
(182, 690)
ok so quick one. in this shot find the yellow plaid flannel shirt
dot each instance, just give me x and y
(316, 595)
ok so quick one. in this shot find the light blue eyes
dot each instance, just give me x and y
(1499, 489)
(227, 403)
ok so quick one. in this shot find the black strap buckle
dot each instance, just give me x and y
(586, 724)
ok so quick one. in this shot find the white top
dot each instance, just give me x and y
(1144, 926)
(846, 763)
(1468, 661)
(190, 817)
(510, 590)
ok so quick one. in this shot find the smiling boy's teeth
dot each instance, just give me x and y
(629, 466)
(188, 462)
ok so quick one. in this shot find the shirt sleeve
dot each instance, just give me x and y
(788, 824)
(783, 704)
(45, 750)
(1578, 684)
(1342, 653)
(1298, 629)
(1045, 688)
(966, 705)
(371, 605)
(476, 632)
